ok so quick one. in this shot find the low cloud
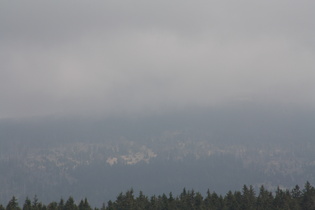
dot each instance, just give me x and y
(111, 58)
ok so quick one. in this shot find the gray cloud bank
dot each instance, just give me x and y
(109, 57)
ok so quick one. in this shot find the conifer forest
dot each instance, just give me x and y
(246, 199)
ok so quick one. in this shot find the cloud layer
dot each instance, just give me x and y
(100, 58)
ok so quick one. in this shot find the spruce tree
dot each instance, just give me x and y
(52, 206)
(13, 204)
(308, 197)
(229, 201)
(248, 198)
(61, 204)
(84, 205)
(70, 205)
(27, 204)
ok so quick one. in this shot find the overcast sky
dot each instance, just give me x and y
(112, 57)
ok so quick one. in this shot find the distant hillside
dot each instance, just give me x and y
(99, 159)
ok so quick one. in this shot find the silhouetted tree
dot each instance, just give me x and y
(13, 204)
(230, 202)
(142, 202)
(70, 205)
(61, 204)
(84, 205)
(264, 199)
(198, 201)
(308, 197)
(248, 198)
(52, 206)
(27, 204)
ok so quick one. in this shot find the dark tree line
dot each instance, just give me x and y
(246, 199)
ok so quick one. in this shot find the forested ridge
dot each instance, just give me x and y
(247, 198)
